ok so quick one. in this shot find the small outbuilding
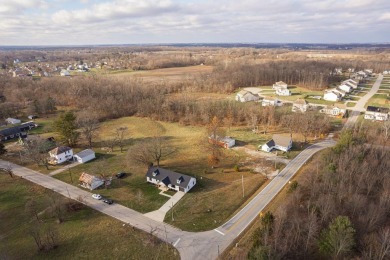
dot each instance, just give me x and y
(13, 121)
(90, 181)
(225, 142)
(84, 156)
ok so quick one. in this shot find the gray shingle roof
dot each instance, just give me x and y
(84, 153)
(168, 177)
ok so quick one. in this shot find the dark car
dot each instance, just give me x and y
(108, 201)
(120, 175)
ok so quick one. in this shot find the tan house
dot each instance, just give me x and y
(335, 110)
(300, 105)
(90, 181)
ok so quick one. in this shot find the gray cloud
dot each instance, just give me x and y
(134, 21)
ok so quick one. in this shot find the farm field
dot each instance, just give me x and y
(84, 232)
(168, 74)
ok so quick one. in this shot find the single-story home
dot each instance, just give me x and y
(335, 110)
(377, 113)
(225, 142)
(170, 180)
(13, 121)
(60, 154)
(90, 181)
(332, 95)
(271, 102)
(19, 131)
(300, 105)
(279, 142)
(246, 96)
(84, 156)
(346, 87)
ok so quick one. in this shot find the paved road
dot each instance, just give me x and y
(360, 105)
(201, 245)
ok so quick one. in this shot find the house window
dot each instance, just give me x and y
(178, 181)
(155, 173)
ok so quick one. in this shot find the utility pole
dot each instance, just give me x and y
(242, 182)
(172, 211)
(70, 174)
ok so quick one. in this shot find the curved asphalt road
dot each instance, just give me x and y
(201, 245)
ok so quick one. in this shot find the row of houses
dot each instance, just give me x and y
(377, 113)
(338, 93)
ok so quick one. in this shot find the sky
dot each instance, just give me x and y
(92, 22)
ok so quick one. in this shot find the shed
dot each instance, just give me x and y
(84, 156)
(13, 121)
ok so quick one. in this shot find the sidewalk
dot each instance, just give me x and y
(159, 214)
(64, 168)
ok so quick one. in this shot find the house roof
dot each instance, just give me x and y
(270, 143)
(225, 139)
(281, 140)
(60, 150)
(300, 101)
(88, 178)
(16, 129)
(168, 177)
(378, 109)
(84, 153)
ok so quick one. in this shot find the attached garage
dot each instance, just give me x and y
(84, 156)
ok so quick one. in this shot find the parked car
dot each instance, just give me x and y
(97, 196)
(108, 201)
(120, 175)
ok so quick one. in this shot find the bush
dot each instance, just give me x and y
(236, 168)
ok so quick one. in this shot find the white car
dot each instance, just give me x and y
(97, 196)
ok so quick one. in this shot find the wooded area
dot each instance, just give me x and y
(340, 211)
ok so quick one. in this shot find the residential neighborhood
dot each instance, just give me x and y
(209, 140)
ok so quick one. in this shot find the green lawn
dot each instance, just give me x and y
(203, 210)
(85, 233)
(380, 100)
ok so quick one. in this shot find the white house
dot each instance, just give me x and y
(338, 71)
(271, 102)
(336, 110)
(84, 156)
(246, 96)
(377, 113)
(60, 154)
(331, 95)
(225, 142)
(351, 82)
(279, 84)
(283, 92)
(346, 88)
(279, 142)
(13, 121)
(90, 182)
(281, 89)
(166, 179)
(300, 105)
(64, 73)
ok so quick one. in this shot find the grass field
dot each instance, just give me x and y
(190, 158)
(168, 74)
(85, 233)
(379, 100)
